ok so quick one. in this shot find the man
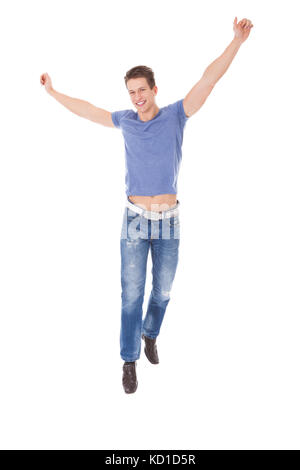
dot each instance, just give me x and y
(153, 141)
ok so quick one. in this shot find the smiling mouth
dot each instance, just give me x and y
(141, 103)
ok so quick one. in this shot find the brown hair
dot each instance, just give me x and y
(141, 71)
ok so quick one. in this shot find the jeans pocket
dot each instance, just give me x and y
(174, 221)
(132, 224)
(175, 227)
(130, 214)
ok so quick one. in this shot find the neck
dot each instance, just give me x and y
(150, 114)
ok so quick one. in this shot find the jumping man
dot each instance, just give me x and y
(153, 140)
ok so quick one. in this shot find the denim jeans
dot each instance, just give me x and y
(138, 235)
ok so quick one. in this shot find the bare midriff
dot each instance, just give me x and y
(159, 202)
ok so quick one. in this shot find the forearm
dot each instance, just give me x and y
(79, 107)
(218, 67)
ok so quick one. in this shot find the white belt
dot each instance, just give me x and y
(154, 215)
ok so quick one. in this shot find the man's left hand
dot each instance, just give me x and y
(242, 29)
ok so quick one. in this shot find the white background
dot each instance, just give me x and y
(228, 376)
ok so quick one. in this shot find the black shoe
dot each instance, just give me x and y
(129, 379)
(151, 349)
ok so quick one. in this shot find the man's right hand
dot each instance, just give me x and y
(80, 107)
(46, 80)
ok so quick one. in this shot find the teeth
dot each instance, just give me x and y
(141, 102)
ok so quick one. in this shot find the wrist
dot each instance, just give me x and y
(237, 40)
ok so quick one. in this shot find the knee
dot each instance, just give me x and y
(165, 294)
(161, 294)
(132, 293)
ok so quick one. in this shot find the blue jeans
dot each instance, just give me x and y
(138, 235)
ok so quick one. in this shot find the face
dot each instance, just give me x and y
(139, 91)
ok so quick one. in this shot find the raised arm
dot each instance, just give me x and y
(198, 94)
(80, 107)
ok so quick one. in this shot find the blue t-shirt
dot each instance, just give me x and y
(152, 149)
